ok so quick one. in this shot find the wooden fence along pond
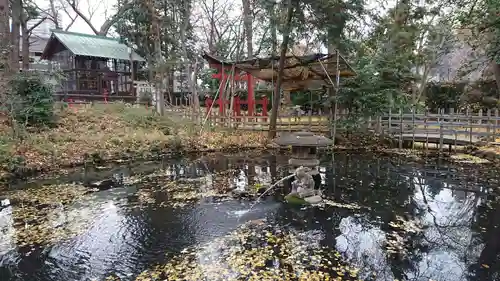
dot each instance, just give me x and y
(450, 128)
(444, 127)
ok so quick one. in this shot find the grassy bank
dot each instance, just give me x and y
(94, 134)
(113, 131)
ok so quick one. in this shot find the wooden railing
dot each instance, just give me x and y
(444, 127)
(451, 127)
(261, 123)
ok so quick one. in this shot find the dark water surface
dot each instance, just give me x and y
(458, 235)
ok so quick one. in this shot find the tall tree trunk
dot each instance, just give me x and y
(196, 99)
(277, 91)
(25, 35)
(155, 30)
(248, 25)
(25, 47)
(331, 91)
(5, 48)
(16, 33)
(187, 66)
(274, 39)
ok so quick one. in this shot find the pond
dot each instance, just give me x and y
(385, 219)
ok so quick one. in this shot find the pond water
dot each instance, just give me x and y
(389, 219)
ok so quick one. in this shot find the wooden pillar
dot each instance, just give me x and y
(76, 79)
(251, 95)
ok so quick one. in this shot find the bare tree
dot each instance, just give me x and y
(25, 37)
(54, 12)
(218, 25)
(64, 6)
(92, 8)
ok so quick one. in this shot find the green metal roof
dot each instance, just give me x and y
(94, 46)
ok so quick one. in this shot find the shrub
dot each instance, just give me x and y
(31, 101)
(146, 98)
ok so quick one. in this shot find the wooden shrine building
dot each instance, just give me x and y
(94, 67)
(300, 72)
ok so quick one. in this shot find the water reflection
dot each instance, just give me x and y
(364, 246)
(458, 220)
(6, 230)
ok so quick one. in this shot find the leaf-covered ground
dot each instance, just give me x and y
(260, 251)
(111, 131)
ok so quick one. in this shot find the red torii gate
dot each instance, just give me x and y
(300, 72)
(227, 71)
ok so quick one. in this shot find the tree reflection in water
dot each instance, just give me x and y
(447, 207)
(457, 238)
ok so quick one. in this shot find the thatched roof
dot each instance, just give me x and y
(301, 72)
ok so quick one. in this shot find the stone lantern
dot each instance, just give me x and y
(304, 146)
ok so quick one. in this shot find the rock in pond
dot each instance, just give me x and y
(316, 199)
(296, 200)
(115, 181)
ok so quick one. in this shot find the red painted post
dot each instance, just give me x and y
(264, 107)
(251, 96)
(70, 102)
(265, 103)
(237, 106)
(105, 95)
